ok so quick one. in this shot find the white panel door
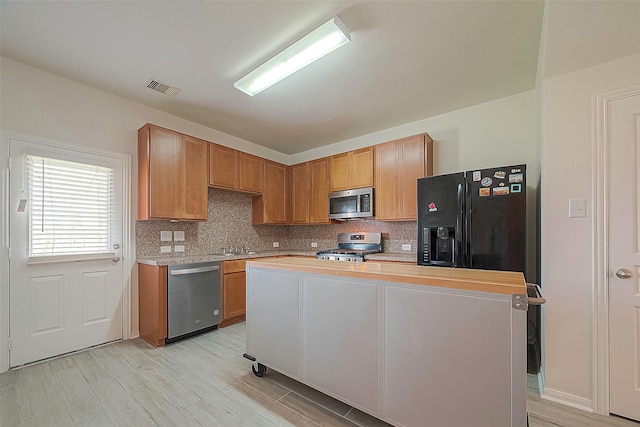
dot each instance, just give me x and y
(624, 257)
(59, 306)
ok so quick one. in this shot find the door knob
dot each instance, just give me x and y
(116, 259)
(623, 273)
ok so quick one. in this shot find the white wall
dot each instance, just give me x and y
(568, 245)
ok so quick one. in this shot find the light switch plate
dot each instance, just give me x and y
(406, 246)
(178, 236)
(165, 249)
(276, 244)
(165, 236)
(178, 248)
(577, 208)
(314, 244)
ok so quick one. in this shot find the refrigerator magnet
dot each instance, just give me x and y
(484, 192)
(486, 181)
(500, 174)
(477, 175)
(500, 191)
(516, 177)
(516, 188)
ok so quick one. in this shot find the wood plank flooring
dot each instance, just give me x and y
(202, 381)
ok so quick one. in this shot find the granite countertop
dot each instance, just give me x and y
(188, 259)
(501, 282)
(175, 260)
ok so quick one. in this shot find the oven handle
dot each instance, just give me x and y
(195, 270)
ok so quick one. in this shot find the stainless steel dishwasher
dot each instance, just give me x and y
(193, 299)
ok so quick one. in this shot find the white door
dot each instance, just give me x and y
(624, 256)
(65, 294)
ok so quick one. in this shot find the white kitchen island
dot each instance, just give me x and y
(412, 345)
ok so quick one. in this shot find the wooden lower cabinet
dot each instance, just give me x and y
(152, 303)
(234, 297)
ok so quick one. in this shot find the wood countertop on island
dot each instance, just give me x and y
(500, 282)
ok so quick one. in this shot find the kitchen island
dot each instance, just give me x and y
(408, 344)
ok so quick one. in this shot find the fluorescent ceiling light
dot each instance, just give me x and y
(326, 38)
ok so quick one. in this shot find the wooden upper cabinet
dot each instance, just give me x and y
(310, 192)
(398, 165)
(353, 169)
(251, 172)
(223, 167)
(172, 175)
(319, 191)
(300, 185)
(235, 170)
(271, 206)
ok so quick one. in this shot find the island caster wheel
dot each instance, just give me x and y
(259, 370)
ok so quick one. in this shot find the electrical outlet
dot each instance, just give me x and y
(165, 236)
(178, 236)
(179, 248)
(276, 244)
(165, 249)
(406, 246)
(314, 245)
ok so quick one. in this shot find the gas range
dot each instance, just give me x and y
(353, 247)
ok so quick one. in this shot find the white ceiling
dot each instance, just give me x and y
(407, 60)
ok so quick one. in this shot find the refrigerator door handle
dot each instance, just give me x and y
(460, 254)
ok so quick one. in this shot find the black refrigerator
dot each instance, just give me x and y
(474, 219)
(478, 219)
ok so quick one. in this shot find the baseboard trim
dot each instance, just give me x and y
(567, 399)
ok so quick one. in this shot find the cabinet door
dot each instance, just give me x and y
(251, 170)
(340, 177)
(234, 295)
(411, 163)
(300, 193)
(319, 200)
(386, 188)
(398, 165)
(223, 167)
(165, 172)
(152, 303)
(172, 175)
(361, 165)
(271, 207)
(193, 178)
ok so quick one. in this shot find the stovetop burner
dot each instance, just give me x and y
(353, 247)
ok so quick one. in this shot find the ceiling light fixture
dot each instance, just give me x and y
(321, 41)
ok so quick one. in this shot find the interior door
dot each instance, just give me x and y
(624, 257)
(60, 304)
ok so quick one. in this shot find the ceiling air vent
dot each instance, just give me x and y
(158, 86)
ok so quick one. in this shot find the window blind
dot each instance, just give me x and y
(72, 208)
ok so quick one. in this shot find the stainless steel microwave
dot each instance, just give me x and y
(350, 204)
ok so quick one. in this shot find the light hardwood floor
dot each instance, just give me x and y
(200, 381)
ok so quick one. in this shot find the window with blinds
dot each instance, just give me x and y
(72, 209)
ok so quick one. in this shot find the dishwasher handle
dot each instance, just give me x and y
(538, 299)
(194, 270)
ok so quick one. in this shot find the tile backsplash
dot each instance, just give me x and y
(229, 225)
